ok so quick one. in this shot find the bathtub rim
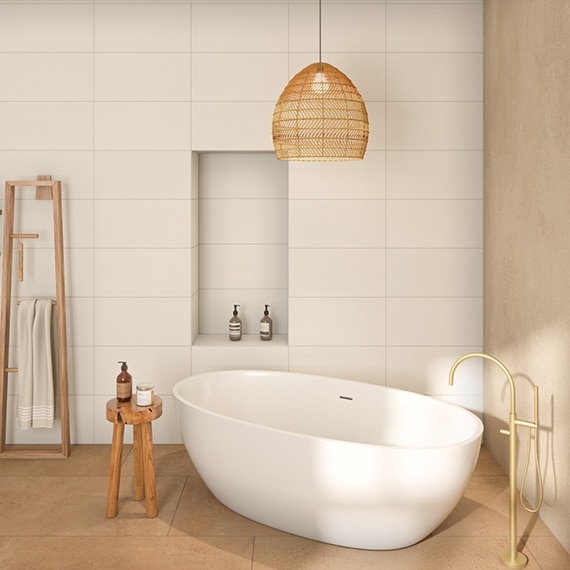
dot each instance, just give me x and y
(478, 433)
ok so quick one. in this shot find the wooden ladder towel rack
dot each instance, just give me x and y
(46, 189)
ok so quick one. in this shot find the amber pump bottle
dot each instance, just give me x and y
(124, 384)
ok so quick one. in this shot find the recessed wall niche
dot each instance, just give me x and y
(241, 247)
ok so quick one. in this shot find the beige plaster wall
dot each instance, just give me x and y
(527, 234)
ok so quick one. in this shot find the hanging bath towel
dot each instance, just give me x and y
(35, 365)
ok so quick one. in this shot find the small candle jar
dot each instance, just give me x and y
(144, 394)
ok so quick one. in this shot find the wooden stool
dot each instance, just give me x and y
(140, 417)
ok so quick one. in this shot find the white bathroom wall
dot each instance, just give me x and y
(117, 99)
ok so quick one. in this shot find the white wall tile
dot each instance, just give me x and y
(435, 272)
(142, 322)
(46, 125)
(377, 124)
(195, 269)
(142, 272)
(239, 28)
(142, 77)
(235, 175)
(238, 76)
(243, 266)
(435, 223)
(435, 77)
(142, 27)
(46, 27)
(79, 321)
(336, 223)
(434, 27)
(142, 223)
(234, 127)
(46, 76)
(435, 174)
(367, 71)
(80, 370)
(434, 322)
(346, 27)
(142, 174)
(336, 322)
(435, 126)
(73, 168)
(337, 272)
(241, 221)
(250, 352)
(353, 179)
(142, 126)
(162, 366)
(364, 364)
(425, 369)
(77, 223)
(216, 307)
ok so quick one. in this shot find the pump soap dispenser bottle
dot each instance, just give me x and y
(235, 325)
(266, 325)
(124, 384)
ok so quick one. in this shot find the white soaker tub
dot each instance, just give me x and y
(339, 461)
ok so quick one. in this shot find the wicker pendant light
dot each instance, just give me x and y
(320, 116)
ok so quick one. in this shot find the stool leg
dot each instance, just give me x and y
(138, 462)
(148, 467)
(115, 470)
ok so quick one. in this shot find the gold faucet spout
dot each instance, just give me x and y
(511, 558)
(498, 363)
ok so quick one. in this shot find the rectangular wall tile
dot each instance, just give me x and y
(142, 126)
(252, 266)
(352, 179)
(140, 175)
(142, 27)
(434, 322)
(435, 223)
(238, 76)
(239, 175)
(435, 174)
(365, 364)
(435, 272)
(46, 126)
(253, 221)
(336, 272)
(142, 272)
(46, 27)
(435, 77)
(435, 126)
(233, 127)
(142, 223)
(239, 28)
(425, 369)
(434, 27)
(336, 223)
(142, 76)
(336, 322)
(46, 76)
(129, 321)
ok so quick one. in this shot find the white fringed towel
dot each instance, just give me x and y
(35, 364)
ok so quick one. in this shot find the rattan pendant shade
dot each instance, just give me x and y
(320, 116)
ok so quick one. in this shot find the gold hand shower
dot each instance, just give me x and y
(511, 558)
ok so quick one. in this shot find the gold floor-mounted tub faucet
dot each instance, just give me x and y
(511, 558)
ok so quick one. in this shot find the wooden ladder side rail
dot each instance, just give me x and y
(48, 185)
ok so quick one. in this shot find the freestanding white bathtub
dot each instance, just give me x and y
(339, 461)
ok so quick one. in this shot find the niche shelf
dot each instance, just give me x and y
(239, 256)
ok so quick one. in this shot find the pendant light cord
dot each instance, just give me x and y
(320, 50)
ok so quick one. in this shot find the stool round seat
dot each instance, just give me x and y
(141, 418)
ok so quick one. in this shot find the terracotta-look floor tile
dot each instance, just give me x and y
(170, 460)
(201, 514)
(436, 553)
(548, 552)
(84, 461)
(67, 506)
(126, 553)
(486, 465)
(484, 511)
